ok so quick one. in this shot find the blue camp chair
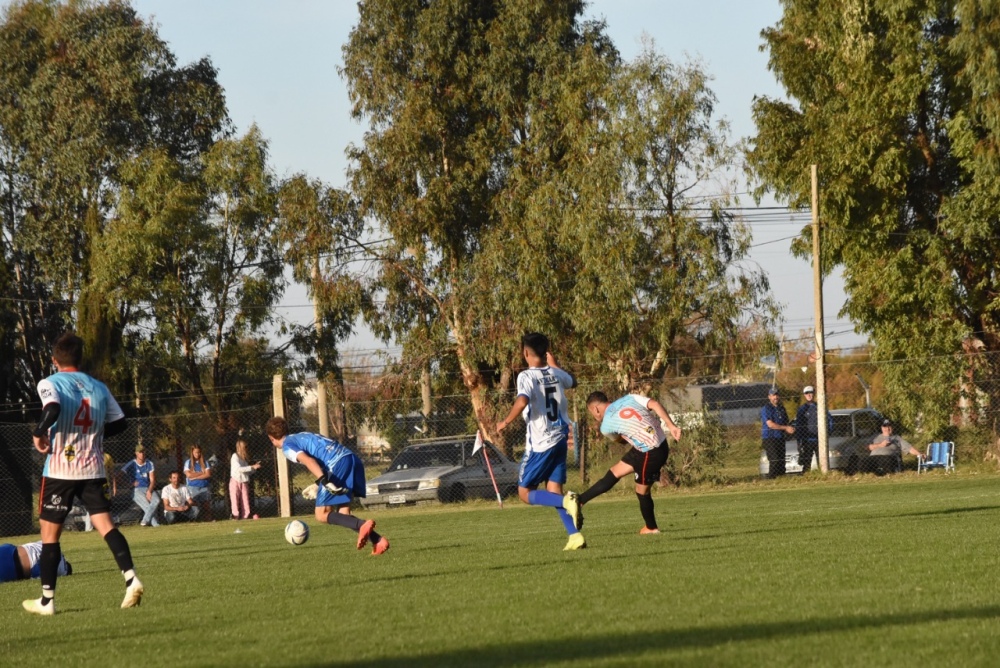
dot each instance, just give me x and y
(940, 455)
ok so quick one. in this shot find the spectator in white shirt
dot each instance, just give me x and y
(177, 502)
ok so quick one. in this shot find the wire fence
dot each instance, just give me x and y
(721, 442)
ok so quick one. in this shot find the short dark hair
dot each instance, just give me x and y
(68, 350)
(597, 397)
(276, 427)
(537, 343)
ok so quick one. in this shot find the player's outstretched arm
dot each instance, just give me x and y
(658, 408)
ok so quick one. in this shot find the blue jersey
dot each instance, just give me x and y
(197, 483)
(630, 418)
(320, 448)
(85, 404)
(138, 474)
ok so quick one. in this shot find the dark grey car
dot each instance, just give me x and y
(441, 470)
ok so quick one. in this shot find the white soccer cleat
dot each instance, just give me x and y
(133, 594)
(35, 607)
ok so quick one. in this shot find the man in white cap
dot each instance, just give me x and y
(807, 428)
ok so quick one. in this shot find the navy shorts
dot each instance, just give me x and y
(647, 465)
(10, 564)
(548, 465)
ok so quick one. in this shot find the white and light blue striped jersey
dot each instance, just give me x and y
(545, 414)
(327, 452)
(85, 405)
(630, 418)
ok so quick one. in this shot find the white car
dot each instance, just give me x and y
(441, 470)
(853, 429)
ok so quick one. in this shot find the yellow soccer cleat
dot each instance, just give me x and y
(576, 542)
(572, 506)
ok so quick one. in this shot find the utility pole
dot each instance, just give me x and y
(284, 489)
(324, 415)
(821, 426)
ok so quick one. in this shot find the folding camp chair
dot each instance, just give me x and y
(940, 455)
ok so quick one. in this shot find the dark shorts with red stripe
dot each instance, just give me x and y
(55, 499)
(647, 465)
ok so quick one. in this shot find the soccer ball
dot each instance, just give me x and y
(297, 532)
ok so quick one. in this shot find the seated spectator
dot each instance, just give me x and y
(177, 502)
(141, 473)
(886, 452)
(198, 473)
(20, 562)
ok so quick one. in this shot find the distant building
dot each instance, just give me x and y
(734, 404)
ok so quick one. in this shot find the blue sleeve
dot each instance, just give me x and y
(763, 417)
(129, 468)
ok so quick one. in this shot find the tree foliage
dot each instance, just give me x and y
(897, 102)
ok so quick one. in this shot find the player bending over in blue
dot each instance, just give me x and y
(340, 477)
(638, 421)
(541, 400)
(20, 562)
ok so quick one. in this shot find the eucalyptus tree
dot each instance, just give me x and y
(896, 103)
(85, 88)
(459, 97)
(319, 228)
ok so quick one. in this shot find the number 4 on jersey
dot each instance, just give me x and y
(82, 418)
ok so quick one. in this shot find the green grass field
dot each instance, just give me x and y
(861, 572)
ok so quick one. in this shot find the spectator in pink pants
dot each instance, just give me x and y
(240, 471)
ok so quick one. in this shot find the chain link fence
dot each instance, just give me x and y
(721, 442)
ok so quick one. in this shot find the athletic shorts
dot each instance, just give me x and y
(647, 465)
(56, 497)
(10, 563)
(347, 472)
(548, 465)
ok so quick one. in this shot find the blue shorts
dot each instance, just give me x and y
(349, 472)
(539, 467)
(8, 571)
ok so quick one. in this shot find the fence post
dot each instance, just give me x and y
(284, 489)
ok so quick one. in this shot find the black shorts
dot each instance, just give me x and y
(56, 497)
(647, 465)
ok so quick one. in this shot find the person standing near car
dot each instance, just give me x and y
(541, 402)
(807, 427)
(774, 430)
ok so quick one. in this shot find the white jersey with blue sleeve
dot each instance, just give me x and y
(327, 452)
(631, 418)
(34, 551)
(545, 414)
(85, 405)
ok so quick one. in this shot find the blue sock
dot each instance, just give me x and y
(567, 521)
(541, 497)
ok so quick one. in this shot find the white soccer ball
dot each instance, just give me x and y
(297, 532)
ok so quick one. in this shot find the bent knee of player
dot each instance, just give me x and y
(522, 493)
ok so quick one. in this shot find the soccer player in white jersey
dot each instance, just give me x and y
(638, 421)
(77, 413)
(541, 401)
(20, 562)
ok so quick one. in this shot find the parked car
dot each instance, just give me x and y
(441, 470)
(853, 429)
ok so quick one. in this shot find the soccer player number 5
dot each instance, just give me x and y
(551, 404)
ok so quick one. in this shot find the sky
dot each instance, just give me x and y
(278, 64)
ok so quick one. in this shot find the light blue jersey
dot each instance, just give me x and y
(85, 405)
(342, 467)
(630, 418)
